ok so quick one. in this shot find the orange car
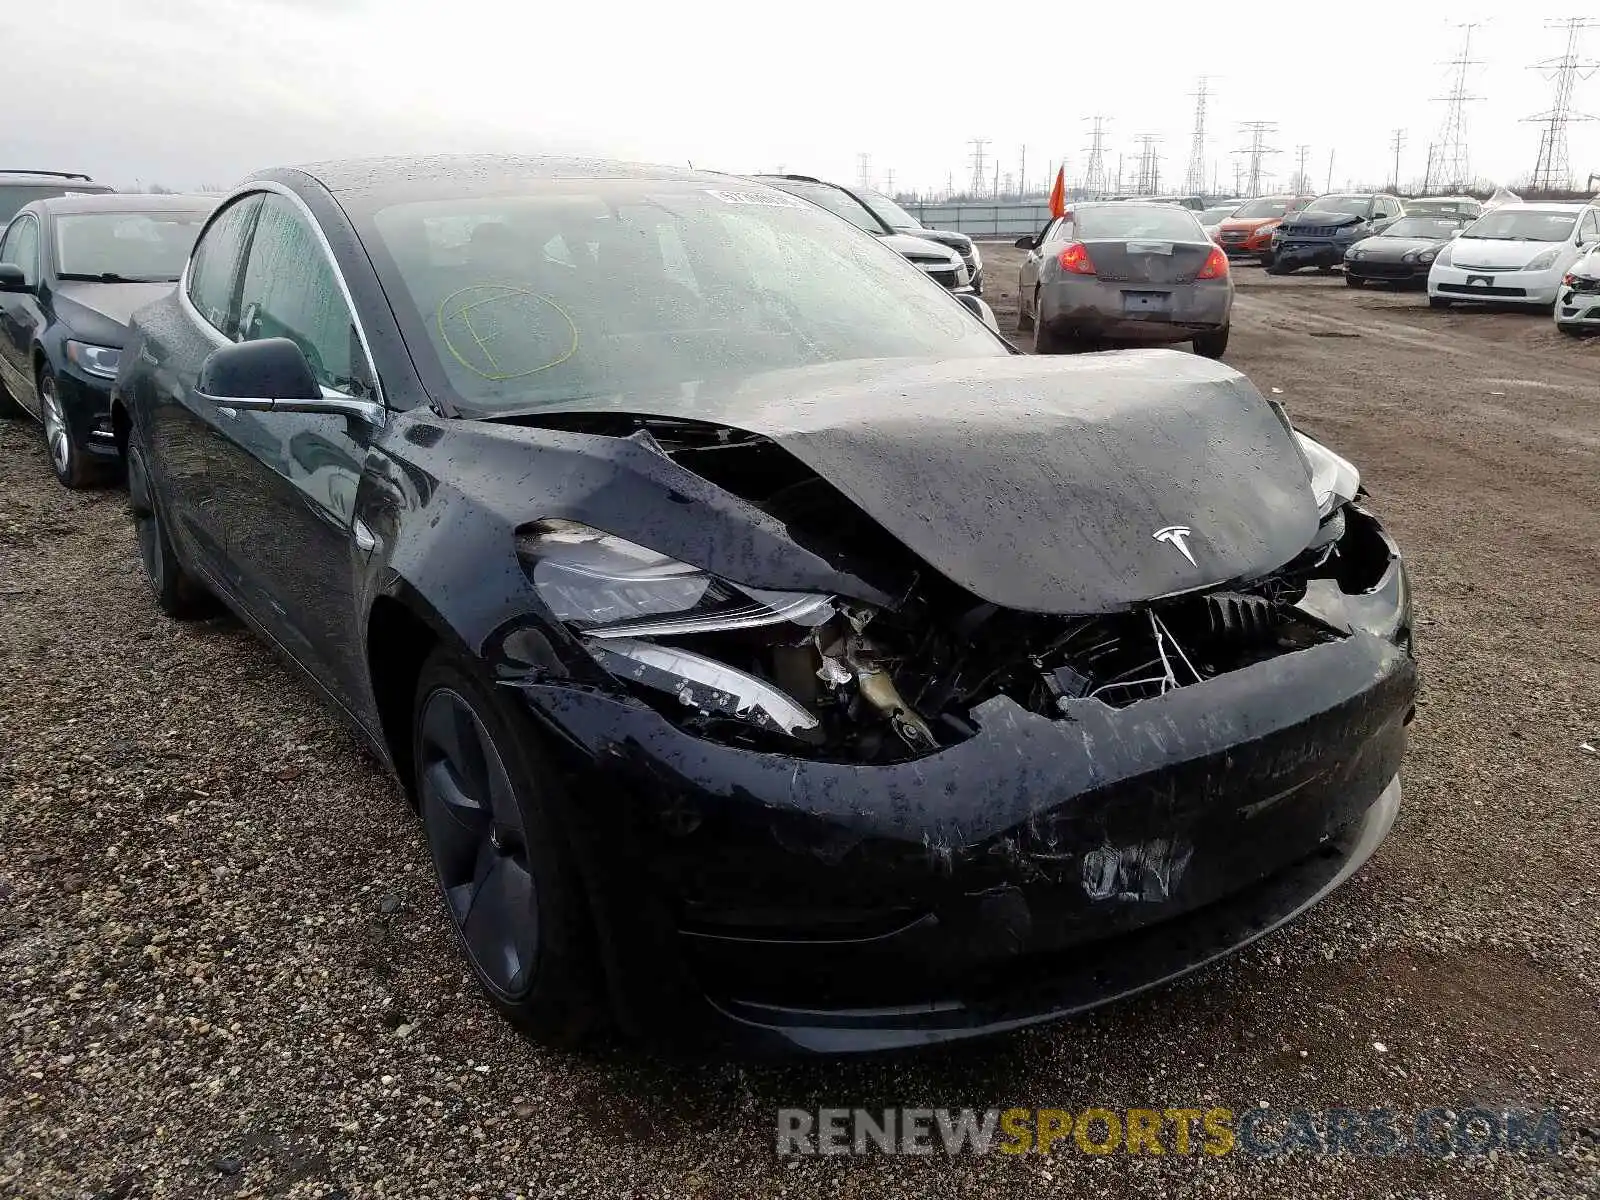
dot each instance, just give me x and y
(1248, 233)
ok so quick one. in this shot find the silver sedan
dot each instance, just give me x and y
(1131, 274)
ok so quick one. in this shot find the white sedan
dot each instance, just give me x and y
(1516, 254)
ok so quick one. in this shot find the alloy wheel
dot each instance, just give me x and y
(57, 438)
(479, 841)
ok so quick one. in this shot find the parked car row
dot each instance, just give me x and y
(773, 654)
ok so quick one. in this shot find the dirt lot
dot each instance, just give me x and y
(224, 970)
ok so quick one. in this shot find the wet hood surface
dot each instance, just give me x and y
(1041, 484)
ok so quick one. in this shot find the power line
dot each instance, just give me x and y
(1397, 143)
(1257, 150)
(1552, 171)
(979, 177)
(1094, 175)
(864, 170)
(1149, 182)
(1194, 182)
(1450, 161)
(1301, 181)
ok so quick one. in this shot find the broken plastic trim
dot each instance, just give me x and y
(1334, 479)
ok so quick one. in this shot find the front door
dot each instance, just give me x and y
(20, 315)
(294, 476)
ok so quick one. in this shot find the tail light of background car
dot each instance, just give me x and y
(1216, 265)
(1075, 259)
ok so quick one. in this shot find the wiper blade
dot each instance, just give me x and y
(113, 277)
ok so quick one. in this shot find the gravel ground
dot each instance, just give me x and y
(224, 970)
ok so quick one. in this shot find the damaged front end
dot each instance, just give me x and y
(835, 824)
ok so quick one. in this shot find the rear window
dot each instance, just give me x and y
(1266, 206)
(1138, 221)
(14, 195)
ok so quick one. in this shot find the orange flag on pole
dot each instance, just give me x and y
(1058, 192)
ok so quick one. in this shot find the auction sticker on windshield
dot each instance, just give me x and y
(766, 199)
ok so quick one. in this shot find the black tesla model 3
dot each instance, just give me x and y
(774, 655)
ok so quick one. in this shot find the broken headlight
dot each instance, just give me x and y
(1334, 479)
(617, 596)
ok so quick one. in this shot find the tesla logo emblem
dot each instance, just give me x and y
(1176, 536)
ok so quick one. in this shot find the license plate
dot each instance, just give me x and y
(1146, 302)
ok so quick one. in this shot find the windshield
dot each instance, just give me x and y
(1122, 221)
(146, 247)
(891, 212)
(596, 290)
(840, 204)
(1522, 225)
(1266, 206)
(1215, 216)
(1439, 225)
(1356, 206)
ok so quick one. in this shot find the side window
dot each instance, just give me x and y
(1589, 228)
(214, 267)
(290, 291)
(21, 248)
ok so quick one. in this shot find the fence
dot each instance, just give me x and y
(1001, 222)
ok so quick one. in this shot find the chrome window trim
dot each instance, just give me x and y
(300, 206)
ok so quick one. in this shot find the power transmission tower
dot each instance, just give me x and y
(979, 175)
(1453, 168)
(1257, 151)
(888, 179)
(1397, 143)
(1194, 182)
(864, 170)
(1301, 182)
(1552, 171)
(1022, 174)
(1149, 166)
(1094, 175)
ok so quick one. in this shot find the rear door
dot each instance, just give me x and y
(20, 314)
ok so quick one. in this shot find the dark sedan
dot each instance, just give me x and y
(773, 653)
(1404, 252)
(72, 271)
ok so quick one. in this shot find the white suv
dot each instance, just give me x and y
(1514, 254)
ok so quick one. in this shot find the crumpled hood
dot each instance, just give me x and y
(1311, 218)
(1494, 254)
(1041, 484)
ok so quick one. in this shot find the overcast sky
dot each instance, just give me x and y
(193, 92)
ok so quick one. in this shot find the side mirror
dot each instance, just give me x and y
(1455, 233)
(12, 279)
(1026, 242)
(979, 309)
(274, 375)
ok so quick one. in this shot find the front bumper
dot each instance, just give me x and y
(1291, 255)
(1503, 286)
(1390, 271)
(86, 402)
(1579, 308)
(1039, 868)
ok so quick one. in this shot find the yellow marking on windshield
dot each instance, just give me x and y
(497, 293)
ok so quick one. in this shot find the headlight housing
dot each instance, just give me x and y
(1443, 258)
(1334, 479)
(1544, 261)
(95, 360)
(977, 259)
(616, 596)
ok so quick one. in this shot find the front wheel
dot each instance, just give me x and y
(1438, 302)
(176, 592)
(1352, 281)
(1570, 330)
(1212, 345)
(489, 810)
(72, 466)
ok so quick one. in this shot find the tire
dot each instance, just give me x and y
(1352, 281)
(69, 461)
(1274, 269)
(1438, 302)
(1212, 345)
(175, 590)
(1045, 341)
(1572, 331)
(1024, 321)
(510, 885)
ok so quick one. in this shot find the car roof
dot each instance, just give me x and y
(123, 202)
(1551, 206)
(404, 173)
(26, 175)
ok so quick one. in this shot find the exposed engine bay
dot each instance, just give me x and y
(837, 679)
